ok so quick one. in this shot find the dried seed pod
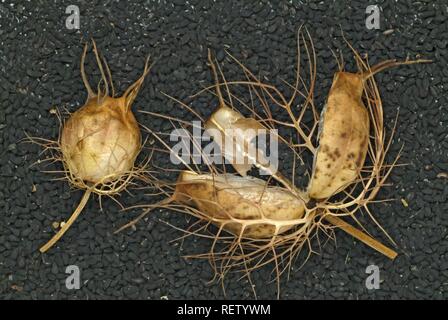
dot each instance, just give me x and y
(231, 130)
(344, 132)
(227, 124)
(344, 137)
(241, 205)
(100, 141)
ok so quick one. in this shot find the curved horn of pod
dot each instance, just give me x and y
(240, 205)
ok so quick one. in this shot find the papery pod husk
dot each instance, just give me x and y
(343, 138)
(101, 141)
(225, 118)
(225, 197)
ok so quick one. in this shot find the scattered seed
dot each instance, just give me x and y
(404, 202)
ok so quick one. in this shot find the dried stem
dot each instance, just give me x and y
(338, 222)
(69, 223)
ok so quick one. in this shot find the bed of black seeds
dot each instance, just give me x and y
(39, 63)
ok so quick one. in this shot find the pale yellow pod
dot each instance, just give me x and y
(226, 197)
(344, 137)
(226, 123)
(100, 142)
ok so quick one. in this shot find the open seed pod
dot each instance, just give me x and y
(344, 130)
(231, 130)
(99, 143)
(234, 134)
(244, 206)
(344, 137)
(226, 124)
(225, 118)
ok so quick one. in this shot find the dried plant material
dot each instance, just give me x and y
(99, 143)
(244, 206)
(404, 202)
(343, 139)
(252, 220)
(347, 94)
(344, 91)
(218, 126)
(374, 244)
(231, 130)
(442, 175)
(344, 132)
(332, 219)
(228, 127)
(354, 181)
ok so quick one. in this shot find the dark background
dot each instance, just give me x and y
(39, 63)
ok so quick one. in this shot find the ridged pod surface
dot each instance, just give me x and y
(240, 203)
(100, 142)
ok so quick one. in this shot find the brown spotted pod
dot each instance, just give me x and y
(240, 205)
(343, 137)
